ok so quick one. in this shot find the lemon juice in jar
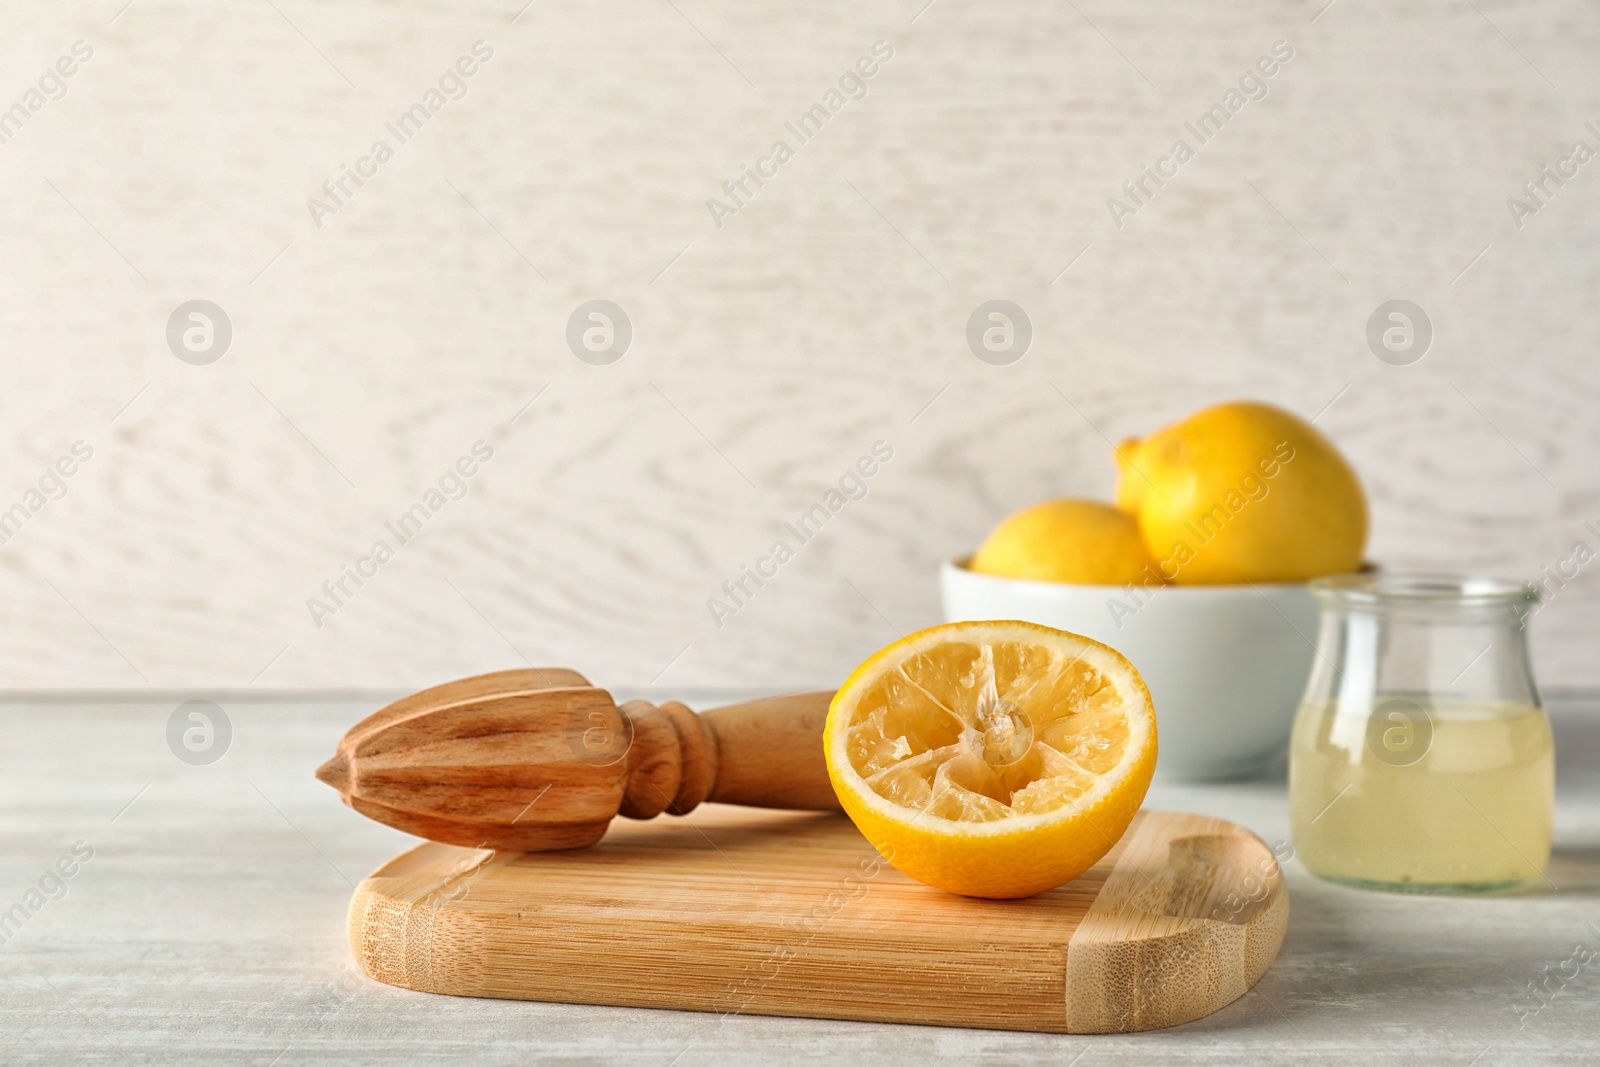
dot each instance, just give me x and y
(1421, 760)
(1473, 809)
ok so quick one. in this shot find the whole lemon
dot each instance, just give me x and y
(1081, 541)
(1243, 492)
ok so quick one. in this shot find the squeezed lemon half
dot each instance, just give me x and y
(992, 759)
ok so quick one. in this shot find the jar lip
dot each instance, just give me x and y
(1374, 587)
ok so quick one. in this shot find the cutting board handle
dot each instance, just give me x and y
(762, 753)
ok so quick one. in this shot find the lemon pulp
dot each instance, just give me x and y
(979, 732)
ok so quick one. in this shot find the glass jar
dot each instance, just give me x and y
(1421, 758)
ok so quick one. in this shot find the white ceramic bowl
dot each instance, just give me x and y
(1225, 664)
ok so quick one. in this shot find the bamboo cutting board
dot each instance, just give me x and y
(788, 913)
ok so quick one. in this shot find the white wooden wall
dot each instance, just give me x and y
(372, 351)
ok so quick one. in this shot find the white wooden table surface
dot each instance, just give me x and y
(208, 927)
